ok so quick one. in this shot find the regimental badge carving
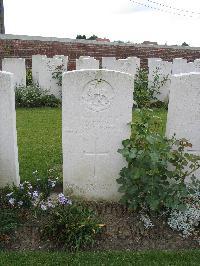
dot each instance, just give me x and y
(98, 95)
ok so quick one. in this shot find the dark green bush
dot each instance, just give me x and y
(144, 93)
(157, 167)
(33, 96)
(29, 79)
(57, 74)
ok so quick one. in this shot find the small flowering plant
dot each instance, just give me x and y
(187, 221)
(27, 195)
(73, 226)
(60, 221)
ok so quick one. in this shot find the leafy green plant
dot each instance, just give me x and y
(10, 219)
(57, 74)
(157, 167)
(50, 101)
(71, 225)
(29, 78)
(33, 96)
(145, 92)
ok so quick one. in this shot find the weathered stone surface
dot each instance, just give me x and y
(197, 65)
(180, 65)
(152, 61)
(36, 63)
(65, 60)
(47, 67)
(9, 167)
(184, 109)
(97, 107)
(87, 62)
(18, 68)
(109, 63)
(128, 65)
(163, 69)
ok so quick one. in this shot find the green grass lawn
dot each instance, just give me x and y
(100, 258)
(39, 140)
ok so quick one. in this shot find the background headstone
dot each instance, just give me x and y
(36, 63)
(109, 63)
(128, 65)
(18, 68)
(97, 107)
(183, 117)
(180, 65)
(152, 61)
(163, 69)
(9, 167)
(64, 61)
(87, 62)
(197, 65)
(46, 81)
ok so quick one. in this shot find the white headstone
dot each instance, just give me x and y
(46, 81)
(87, 62)
(97, 107)
(9, 167)
(179, 66)
(109, 63)
(36, 63)
(128, 65)
(18, 68)
(197, 65)
(191, 67)
(183, 110)
(64, 61)
(163, 69)
(152, 60)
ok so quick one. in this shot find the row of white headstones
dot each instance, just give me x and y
(96, 111)
(43, 69)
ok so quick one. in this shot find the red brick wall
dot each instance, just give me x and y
(14, 47)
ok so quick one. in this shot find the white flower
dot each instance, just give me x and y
(20, 203)
(50, 205)
(8, 195)
(21, 186)
(35, 194)
(12, 201)
(43, 207)
(53, 184)
(146, 221)
(35, 172)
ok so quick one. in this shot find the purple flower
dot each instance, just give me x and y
(64, 200)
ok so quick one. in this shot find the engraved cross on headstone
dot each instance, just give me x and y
(96, 154)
